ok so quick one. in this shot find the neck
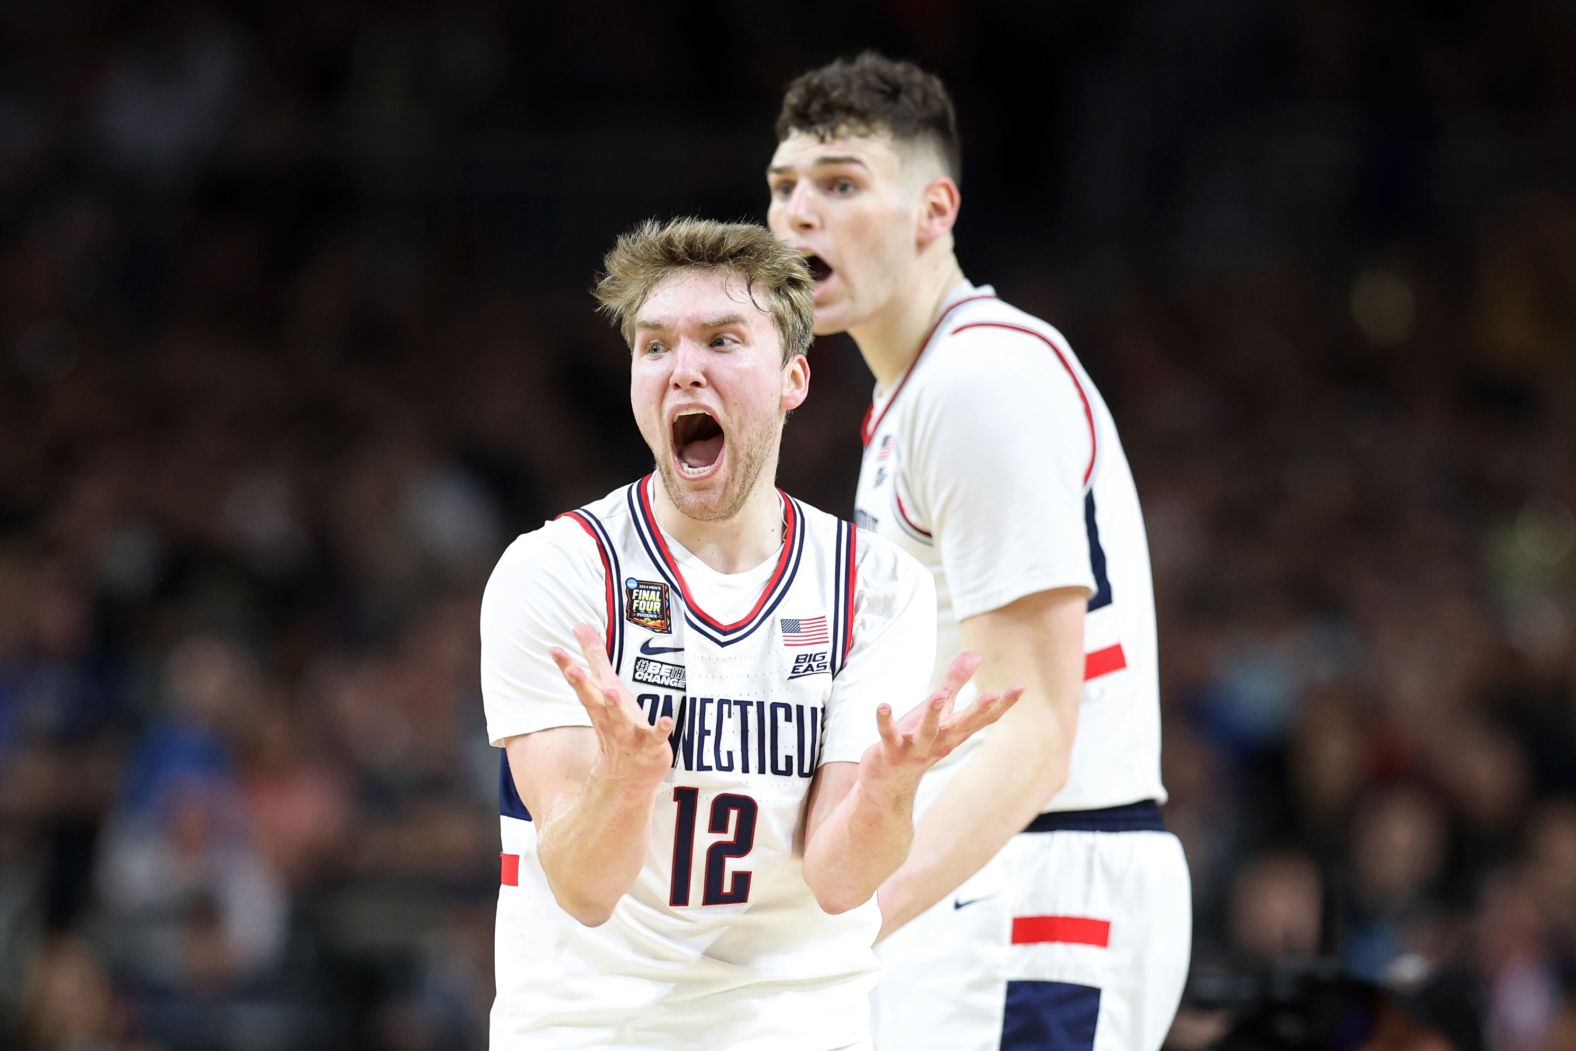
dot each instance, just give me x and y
(892, 338)
(728, 545)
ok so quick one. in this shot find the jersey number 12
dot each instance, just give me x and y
(721, 886)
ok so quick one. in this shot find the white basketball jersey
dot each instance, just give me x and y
(995, 463)
(720, 942)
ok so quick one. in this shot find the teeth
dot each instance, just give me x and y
(687, 469)
(692, 412)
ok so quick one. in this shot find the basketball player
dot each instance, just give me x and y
(697, 811)
(1043, 904)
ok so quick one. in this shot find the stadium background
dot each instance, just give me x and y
(294, 335)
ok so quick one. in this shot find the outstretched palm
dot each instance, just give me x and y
(922, 738)
(632, 749)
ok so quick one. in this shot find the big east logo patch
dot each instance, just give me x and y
(818, 663)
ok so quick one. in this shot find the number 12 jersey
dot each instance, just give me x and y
(768, 674)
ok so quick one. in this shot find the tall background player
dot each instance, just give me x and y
(1044, 904)
(294, 338)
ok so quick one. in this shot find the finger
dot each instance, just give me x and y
(930, 722)
(594, 651)
(575, 676)
(959, 672)
(658, 736)
(885, 724)
(626, 713)
(573, 673)
(987, 709)
(564, 661)
(588, 695)
(620, 725)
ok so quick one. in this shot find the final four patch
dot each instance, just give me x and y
(646, 604)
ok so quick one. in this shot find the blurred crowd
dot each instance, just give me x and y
(294, 338)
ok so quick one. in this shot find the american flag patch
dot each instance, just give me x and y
(884, 451)
(805, 631)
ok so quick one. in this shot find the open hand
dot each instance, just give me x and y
(632, 749)
(922, 738)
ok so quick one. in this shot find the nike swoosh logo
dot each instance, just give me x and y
(651, 651)
(963, 903)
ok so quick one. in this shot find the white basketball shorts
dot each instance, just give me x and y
(1076, 937)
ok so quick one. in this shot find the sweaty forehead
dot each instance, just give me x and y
(696, 298)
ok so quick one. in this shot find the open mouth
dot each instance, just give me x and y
(820, 270)
(697, 442)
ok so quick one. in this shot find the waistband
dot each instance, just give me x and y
(1143, 816)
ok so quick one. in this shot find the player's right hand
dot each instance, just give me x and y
(632, 750)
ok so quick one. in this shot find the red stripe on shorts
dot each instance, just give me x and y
(1071, 930)
(1104, 662)
(510, 874)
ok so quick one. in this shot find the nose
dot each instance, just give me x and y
(689, 365)
(800, 209)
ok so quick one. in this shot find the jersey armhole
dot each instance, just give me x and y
(845, 586)
(614, 636)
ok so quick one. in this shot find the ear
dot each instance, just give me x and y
(796, 383)
(939, 202)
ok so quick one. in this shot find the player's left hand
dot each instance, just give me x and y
(913, 744)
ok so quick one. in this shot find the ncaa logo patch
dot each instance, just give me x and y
(646, 604)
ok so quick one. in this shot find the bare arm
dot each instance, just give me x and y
(590, 790)
(861, 816)
(1036, 640)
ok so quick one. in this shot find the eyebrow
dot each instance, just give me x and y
(825, 160)
(722, 321)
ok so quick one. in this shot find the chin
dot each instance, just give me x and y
(829, 323)
(702, 503)
(833, 318)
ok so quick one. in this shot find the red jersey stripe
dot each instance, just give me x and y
(1104, 662)
(848, 606)
(607, 574)
(1067, 930)
(902, 509)
(1084, 397)
(872, 420)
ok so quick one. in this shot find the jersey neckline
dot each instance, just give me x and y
(872, 420)
(792, 527)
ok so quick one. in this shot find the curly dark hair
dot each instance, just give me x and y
(871, 94)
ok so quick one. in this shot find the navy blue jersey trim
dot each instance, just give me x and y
(837, 598)
(645, 542)
(765, 615)
(509, 802)
(1102, 583)
(1143, 816)
(615, 654)
(705, 630)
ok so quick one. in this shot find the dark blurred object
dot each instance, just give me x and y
(1317, 1006)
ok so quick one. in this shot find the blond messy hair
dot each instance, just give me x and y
(642, 257)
